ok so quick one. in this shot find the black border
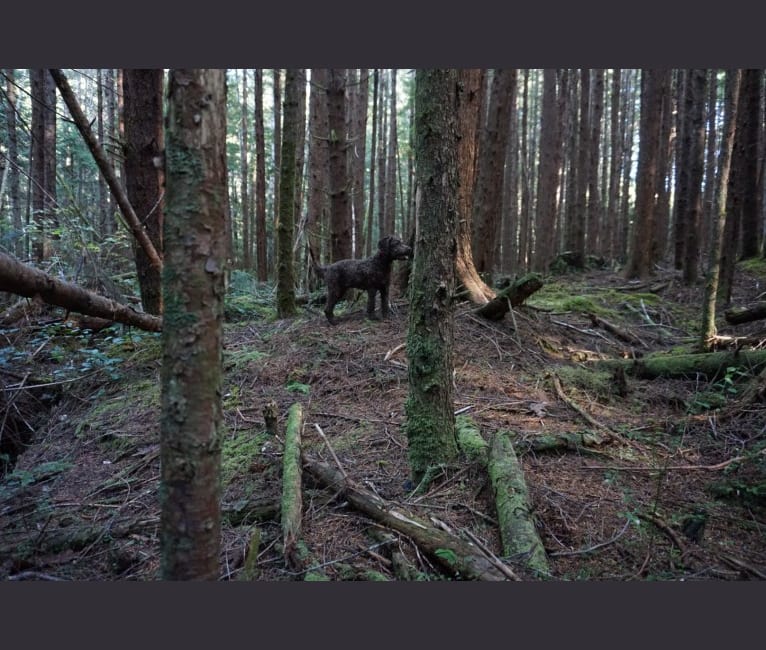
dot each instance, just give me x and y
(406, 35)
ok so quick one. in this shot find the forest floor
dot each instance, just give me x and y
(678, 494)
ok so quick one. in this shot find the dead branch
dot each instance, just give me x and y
(116, 188)
(460, 558)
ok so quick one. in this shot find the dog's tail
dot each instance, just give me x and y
(319, 270)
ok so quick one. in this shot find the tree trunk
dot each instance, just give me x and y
(391, 166)
(14, 190)
(287, 182)
(373, 144)
(696, 158)
(144, 141)
(43, 165)
(615, 167)
(525, 220)
(318, 204)
(193, 286)
(261, 249)
(359, 158)
(664, 156)
(550, 164)
(708, 329)
(340, 213)
(469, 102)
(640, 263)
(277, 137)
(487, 202)
(244, 174)
(430, 422)
(751, 221)
(594, 139)
(382, 123)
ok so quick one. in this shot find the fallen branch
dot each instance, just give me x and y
(583, 414)
(621, 334)
(459, 557)
(23, 280)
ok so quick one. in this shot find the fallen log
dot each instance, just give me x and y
(511, 296)
(517, 530)
(23, 280)
(460, 558)
(739, 315)
(710, 364)
(292, 495)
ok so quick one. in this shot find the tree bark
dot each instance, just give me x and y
(550, 163)
(430, 423)
(340, 213)
(640, 263)
(708, 329)
(469, 104)
(144, 141)
(487, 204)
(261, 249)
(196, 251)
(287, 182)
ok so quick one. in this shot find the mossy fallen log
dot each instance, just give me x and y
(458, 557)
(511, 296)
(517, 530)
(470, 441)
(711, 364)
(292, 495)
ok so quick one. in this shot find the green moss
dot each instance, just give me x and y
(242, 358)
(755, 266)
(238, 453)
(599, 382)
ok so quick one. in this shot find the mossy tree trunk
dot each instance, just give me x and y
(430, 424)
(193, 292)
(286, 223)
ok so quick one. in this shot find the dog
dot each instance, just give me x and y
(372, 274)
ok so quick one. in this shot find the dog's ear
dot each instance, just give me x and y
(384, 243)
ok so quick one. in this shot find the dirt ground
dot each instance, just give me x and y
(677, 494)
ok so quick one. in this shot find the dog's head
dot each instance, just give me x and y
(394, 248)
